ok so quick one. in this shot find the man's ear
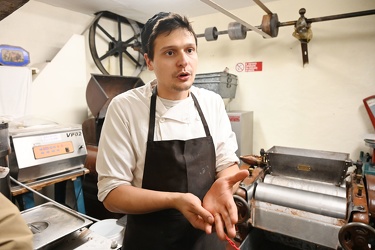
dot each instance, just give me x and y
(148, 62)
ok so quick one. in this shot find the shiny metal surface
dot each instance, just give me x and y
(324, 166)
(305, 226)
(306, 185)
(25, 165)
(49, 223)
(302, 196)
(222, 83)
(322, 204)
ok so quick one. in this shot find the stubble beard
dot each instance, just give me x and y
(181, 88)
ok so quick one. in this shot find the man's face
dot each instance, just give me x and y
(174, 64)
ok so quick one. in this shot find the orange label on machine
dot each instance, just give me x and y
(54, 149)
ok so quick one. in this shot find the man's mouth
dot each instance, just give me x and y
(183, 75)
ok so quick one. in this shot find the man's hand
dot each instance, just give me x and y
(191, 207)
(220, 203)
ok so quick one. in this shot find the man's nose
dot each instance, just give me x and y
(182, 60)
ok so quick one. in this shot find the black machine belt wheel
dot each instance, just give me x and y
(357, 236)
(115, 44)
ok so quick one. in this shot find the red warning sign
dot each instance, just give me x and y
(253, 66)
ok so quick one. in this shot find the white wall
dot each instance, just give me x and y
(318, 106)
(59, 89)
(51, 35)
(41, 29)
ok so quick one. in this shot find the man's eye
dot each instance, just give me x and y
(191, 50)
(169, 53)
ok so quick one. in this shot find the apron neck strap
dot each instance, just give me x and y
(151, 126)
(205, 125)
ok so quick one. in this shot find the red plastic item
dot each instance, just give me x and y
(231, 243)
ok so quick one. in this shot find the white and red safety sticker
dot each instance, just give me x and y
(249, 66)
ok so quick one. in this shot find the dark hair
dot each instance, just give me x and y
(162, 23)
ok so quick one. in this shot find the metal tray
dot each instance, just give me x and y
(222, 83)
(50, 222)
(316, 165)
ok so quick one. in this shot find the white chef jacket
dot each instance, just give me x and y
(123, 141)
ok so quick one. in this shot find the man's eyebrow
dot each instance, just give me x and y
(168, 47)
(174, 46)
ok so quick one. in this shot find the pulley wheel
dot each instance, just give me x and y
(270, 24)
(211, 34)
(243, 209)
(236, 31)
(356, 236)
(115, 44)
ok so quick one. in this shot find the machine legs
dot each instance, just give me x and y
(26, 200)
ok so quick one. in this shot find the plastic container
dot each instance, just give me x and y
(110, 229)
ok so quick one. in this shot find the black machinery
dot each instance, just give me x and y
(4, 162)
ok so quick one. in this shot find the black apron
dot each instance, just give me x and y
(174, 166)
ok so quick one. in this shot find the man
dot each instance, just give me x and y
(167, 152)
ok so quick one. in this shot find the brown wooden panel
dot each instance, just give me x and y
(9, 6)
